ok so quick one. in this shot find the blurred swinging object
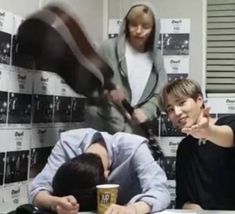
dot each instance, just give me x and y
(54, 41)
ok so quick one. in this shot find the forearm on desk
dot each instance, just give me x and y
(45, 200)
(140, 207)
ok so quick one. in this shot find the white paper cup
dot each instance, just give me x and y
(106, 195)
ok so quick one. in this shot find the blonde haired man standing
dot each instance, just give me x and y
(138, 73)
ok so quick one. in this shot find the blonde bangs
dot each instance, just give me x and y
(180, 89)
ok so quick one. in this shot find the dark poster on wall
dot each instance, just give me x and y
(16, 166)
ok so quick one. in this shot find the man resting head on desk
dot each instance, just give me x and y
(85, 158)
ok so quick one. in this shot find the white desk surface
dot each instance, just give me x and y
(173, 211)
(167, 211)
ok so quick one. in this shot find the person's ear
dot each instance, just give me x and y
(200, 101)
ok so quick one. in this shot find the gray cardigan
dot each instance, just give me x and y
(113, 51)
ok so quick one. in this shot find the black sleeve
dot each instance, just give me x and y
(181, 196)
(231, 124)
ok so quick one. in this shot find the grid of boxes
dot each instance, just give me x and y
(35, 106)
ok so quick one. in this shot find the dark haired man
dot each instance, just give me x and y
(79, 177)
(121, 158)
(205, 160)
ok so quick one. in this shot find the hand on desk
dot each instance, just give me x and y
(118, 209)
(135, 208)
(191, 206)
(66, 205)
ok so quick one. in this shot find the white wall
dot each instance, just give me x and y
(89, 11)
(91, 14)
(21, 8)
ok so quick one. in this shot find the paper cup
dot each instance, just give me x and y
(106, 195)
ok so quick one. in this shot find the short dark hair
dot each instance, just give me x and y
(79, 177)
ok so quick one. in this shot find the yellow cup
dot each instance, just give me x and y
(106, 195)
